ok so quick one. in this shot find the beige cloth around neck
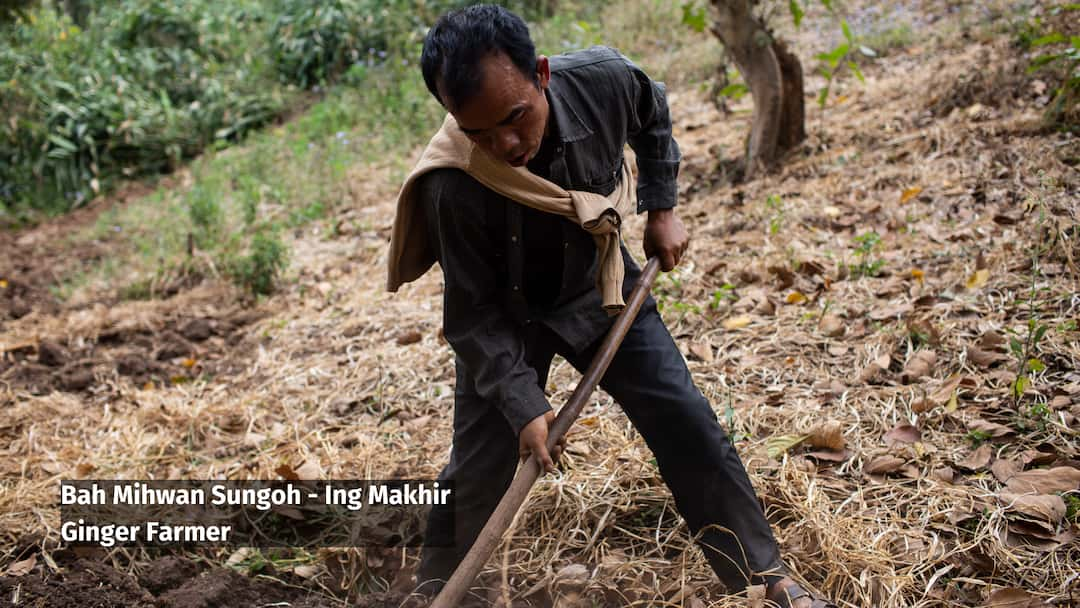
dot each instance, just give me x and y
(601, 216)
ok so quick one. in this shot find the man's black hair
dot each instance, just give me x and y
(460, 39)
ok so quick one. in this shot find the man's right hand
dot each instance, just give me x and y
(533, 441)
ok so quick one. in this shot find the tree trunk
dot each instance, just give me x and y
(774, 76)
(78, 10)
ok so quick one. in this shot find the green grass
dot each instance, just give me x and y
(243, 201)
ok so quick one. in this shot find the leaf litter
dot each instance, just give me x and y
(878, 447)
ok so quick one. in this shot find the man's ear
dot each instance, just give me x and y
(543, 71)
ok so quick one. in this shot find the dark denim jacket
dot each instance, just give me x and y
(599, 102)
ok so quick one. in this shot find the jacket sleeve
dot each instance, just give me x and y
(649, 135)
(483, 336)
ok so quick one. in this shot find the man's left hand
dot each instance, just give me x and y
(665, 238)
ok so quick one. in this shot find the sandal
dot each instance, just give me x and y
(785, 596)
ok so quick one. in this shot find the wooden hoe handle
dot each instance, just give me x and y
(529, 472)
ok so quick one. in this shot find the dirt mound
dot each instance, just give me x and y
(985, 78)
(18, 298)
(167, 582)
(170, 350)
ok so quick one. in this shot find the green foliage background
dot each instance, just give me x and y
(146, 85)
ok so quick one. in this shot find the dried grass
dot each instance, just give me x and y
(333, 377)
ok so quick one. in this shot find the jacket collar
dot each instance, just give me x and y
(566, 121)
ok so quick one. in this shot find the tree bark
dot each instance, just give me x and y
(774, 76)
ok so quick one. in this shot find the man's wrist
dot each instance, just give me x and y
(660, 214)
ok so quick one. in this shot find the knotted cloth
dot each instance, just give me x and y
(601, 216)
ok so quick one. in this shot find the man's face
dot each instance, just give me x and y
(507, 117)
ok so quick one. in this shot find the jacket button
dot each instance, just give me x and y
(515, 287)
(513, 239)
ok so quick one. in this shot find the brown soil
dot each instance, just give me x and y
(793, 325)
(173, 348)
(166, 582)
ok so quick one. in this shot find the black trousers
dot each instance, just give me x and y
(650, 381)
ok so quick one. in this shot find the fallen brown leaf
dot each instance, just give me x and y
(409, 337)
(920, 364)
(909, 194)
(1011, 597)
(416, 423)
(977, 459)
(883, 464)
(828, 434)
(309, 470)
(1048, 508)
(1004, 468)
(795, 297)
(977, 279)
(890, 312)
(945, 393)
(1045, 481)
(737, 322)
(702, 351)
(1022, 534)
(832, 326)
(945, 474)
(991, 429)
(829, 455)
(902, 434)
(874, 369)
(766, 307)
(984, 358)
(286, 472)
(22, 567)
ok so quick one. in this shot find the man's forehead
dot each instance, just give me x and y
(503, 90)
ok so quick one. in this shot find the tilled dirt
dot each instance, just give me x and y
(165, 351)
(166, 582)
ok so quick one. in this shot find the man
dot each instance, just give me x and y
(520, 286)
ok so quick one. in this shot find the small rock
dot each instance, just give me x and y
(132, 365)
(832, 326)
(18, 308)
(572, 577)
(52, 354)
(75, 379)
(196, 330)
(172, 346)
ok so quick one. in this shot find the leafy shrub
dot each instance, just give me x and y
(141, 88)
(260, 268)
(315, 42)
(1064, 51)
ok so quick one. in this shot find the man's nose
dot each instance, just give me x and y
(507, 142)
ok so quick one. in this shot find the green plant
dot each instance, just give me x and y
(316, 42)
(977, 437)
(867, 266)
(725, 293)
(1064, 50)
(735, 434)
(258, 271)
(834, 61)
(205, 213)
(1072, 507)
(1024, 349)
(882, 41)
(141, 88)
(775, 205)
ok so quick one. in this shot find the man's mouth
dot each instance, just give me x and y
(519, 161)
